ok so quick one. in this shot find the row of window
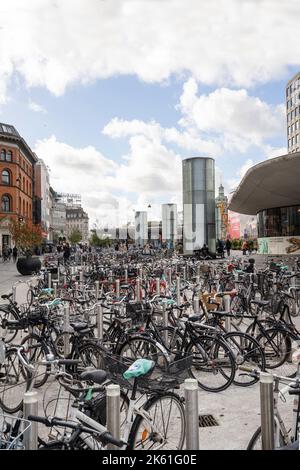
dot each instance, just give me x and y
(7, 205)
(293, 86)
(293, 101)
(6, 178)
(293, 141)
(7, 156)
(294, 127)
(279, 222)
(293, 114)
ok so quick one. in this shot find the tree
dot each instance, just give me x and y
(75, 237)
(26, 235)
(95, 240)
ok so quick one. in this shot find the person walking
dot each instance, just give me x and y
(228, 246)
(245, 247)
(15, 254)
(67, 252)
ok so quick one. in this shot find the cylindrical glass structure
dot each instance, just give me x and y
(199, 226)
(141, 228)
(169, 223)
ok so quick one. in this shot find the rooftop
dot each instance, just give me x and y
(272, 183)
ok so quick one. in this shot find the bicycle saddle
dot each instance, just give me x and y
(6, 296)
(261, 303)
(97, 376)
(79, 326)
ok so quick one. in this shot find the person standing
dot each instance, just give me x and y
(15, 254)
(67, 252)
(245, 247)
(228, 246)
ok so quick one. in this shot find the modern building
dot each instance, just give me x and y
(43, 200)
(57, 217)
(77, 219)
(293, 113)
(221, 214)
(199, 224)
(17, 163)
(141, 228)
(169, 224)
(271, 190)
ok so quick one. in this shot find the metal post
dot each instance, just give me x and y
(196, 305)
(117, 288)
(170, 277)
(184, 273)
(197, 279)
(178, 285)
(65, 279)
(165, 322)
(58, 274)
(126, 275)
(97, 290)
(49, 280)
(30, 407)
(227, 301)
(141, 273)
(55, 289)
(113, 412)
(66, 330)
(267, 411)
(138, 289)
(191, 414)
(158, 286)
(100, 321)
(76, 289)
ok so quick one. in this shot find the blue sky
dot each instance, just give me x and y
(112, 102)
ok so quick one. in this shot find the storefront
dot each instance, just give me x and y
(271, 190)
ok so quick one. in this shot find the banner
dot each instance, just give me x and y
(279, 246)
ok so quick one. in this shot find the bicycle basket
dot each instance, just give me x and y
(37, 317)
(12, 429)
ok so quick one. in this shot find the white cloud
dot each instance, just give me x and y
(37, 108)
(224, 42)
(235, 117)
(232, 183)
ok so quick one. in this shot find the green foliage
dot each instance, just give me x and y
(75, 237)
(99, 242)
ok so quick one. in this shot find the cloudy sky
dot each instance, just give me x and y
(113, 94)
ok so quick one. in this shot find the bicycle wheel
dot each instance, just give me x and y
(247, 352)
(8, 314)
(162, 426)
(213, 363)
(255, 442)
(13, 382)
(142, 347)
(90, 355)
(37, 352)
(276, 346)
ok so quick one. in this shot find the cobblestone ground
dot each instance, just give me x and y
(236, 410)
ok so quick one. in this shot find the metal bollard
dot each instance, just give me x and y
(49, 280)
(157, 286)
(141, 273)
(267, 411)
(165, 322)
(184, 273)
(197, 279)
(126, 275)
(191, 414)
(117, 288)
(55, 289)
(58, 275)
(76, 289)
(170, 277)
(65, 279)
(97, 285)
(113, 412)
(138, 290)
(30, 407)
(100, 321)
(178, 285)
(227, 301)
(196, 305)
(66, 330)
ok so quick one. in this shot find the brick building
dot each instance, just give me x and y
(16, 180)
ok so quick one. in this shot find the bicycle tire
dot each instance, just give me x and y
(41, 377)
(13, 375)
(8, 314)
(254, 439)
(156, 401)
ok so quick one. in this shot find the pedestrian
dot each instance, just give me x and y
(67, 252)
(245, 247)
(15, 254)
(228, 246)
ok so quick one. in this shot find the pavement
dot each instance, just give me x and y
(9, 275)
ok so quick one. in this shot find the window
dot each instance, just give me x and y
(24, 184)
(296, 111)
(292, 114)
(3, 155)
(292, 128)
(6, 203)
(5, 177)
(297, 138)
(293, 141)
(296, 125)
(289, 143)
(9, 156)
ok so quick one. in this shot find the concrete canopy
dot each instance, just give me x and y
(272, 183)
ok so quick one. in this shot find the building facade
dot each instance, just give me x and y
(17, 163)
(77, 219)
(221, 214)
(199, 225)
(293, 113)
(42, 193)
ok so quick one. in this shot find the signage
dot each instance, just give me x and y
(279, 246)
